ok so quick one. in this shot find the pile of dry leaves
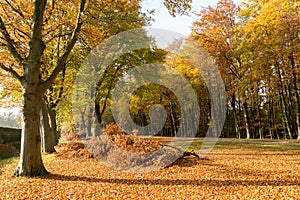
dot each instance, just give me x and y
(70, 146)
(128, 152)
(130, 142)
(122, 151)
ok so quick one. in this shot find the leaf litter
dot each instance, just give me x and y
(226, 173)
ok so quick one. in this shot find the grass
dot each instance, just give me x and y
(272, 145)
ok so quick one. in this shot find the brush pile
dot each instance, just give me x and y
(128, 152)
(122, 151)
(71, 147)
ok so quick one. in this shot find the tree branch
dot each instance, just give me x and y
(10, 42)
(56, 36)
(23, 32)
(63, 59)
(36, 43)
(16, 10)
(12, 71)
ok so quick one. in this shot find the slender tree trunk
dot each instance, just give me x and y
(31, 163)
(283, 103)
(291, 109)
(285, 114)
(298, 120)
(82, 123)
(271, 119)
(246, 120)
(89, 123)
(55, 133)
(48, 132)
(236, 123)
(297, 110)
(260, 127)
(172, 120)
(90, 116)
(297, 95)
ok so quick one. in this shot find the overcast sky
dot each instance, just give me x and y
(180, 24)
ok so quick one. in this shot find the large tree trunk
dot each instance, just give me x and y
(31, 163)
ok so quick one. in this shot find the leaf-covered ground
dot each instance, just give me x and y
(230, 171)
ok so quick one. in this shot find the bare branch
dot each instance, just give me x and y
(50, 12)
(55, 28)
(18, 11)
(10, 42)
(57, 36)
(63, 59)
(23, 32)
(12, 71)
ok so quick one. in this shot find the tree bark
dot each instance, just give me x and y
(283, 103)
(236, 123)
(48, 132)
(245, 107)
(55, 133)
(31, 163)
(89, 123)
(295, 74)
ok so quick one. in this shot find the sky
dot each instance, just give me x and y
(180, 24)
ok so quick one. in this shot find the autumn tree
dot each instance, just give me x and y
(256, 48)
(25, 31)
(132, 18)
(271, 38)
(19, 21)
(217, 31)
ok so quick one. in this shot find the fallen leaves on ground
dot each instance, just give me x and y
(72, 149)
(130, 142)
(138, 155)
(226, 173)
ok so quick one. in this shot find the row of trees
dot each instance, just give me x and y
(256, 47)
(42, 44)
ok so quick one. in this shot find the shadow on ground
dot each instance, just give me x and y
(212, 182)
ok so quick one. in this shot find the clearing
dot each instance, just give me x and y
(233, 170)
